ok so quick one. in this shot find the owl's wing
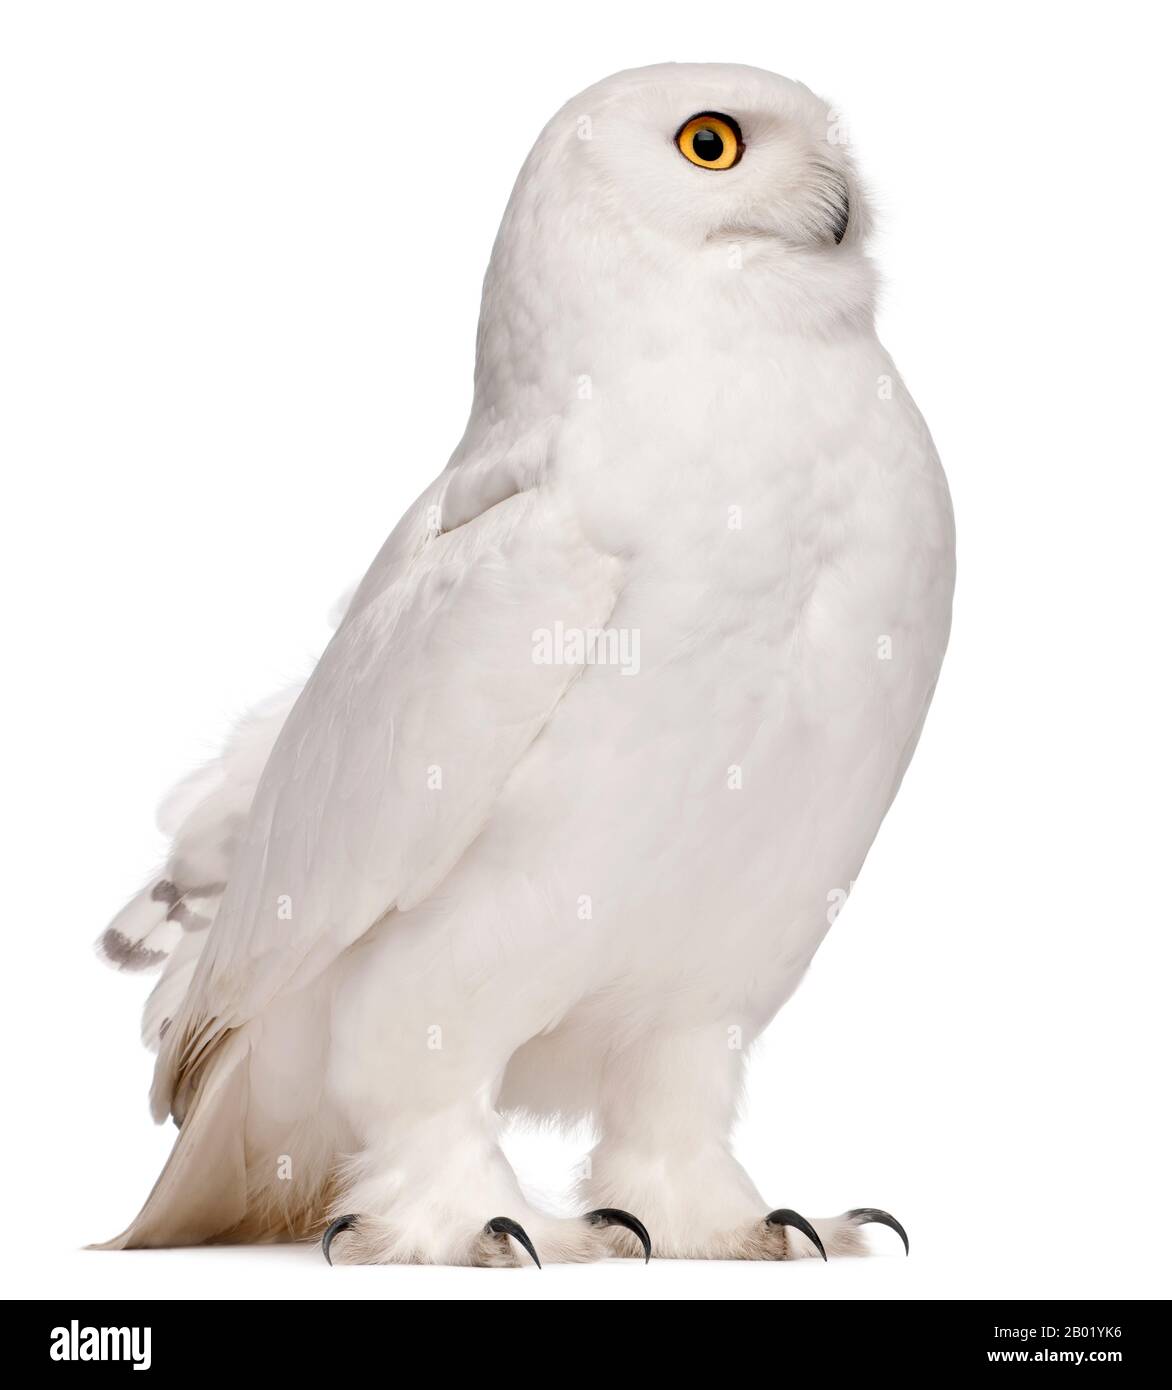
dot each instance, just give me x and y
(390, 761)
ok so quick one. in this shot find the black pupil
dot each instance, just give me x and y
(707, 145)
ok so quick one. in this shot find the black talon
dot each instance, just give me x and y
(784, 1217)
(343, 1223)
(613, 1216)
(865, 1216)
(506, 1226)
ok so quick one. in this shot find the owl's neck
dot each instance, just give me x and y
(564, 309)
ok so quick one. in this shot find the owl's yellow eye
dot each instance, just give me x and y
(711, 141)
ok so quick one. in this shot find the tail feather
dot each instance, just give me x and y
(166, 924)
(143, 934)
(202, 1191)
(167, 997)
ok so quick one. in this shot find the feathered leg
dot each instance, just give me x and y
(667, 1109)
(417, 1079)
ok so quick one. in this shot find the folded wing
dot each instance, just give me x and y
(391, 760)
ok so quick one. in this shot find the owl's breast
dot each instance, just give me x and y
(788, 574)
(784, 506)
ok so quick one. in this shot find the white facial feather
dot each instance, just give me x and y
(488, 867)
(610, 231)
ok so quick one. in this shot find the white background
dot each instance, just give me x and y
(242, 251)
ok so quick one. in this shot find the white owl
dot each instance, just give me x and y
(620, 703)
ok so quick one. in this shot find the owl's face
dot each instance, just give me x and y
(636, 204)
(704, 153)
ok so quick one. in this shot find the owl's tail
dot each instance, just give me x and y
(166, 924)
(202, 1192)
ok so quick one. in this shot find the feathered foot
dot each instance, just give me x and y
(781, 1235)
(784, 1235)
(374, 1243)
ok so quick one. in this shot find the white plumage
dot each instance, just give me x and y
(472, 870)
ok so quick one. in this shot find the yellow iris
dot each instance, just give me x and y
(711, 141)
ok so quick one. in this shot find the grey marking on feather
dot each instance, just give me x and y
(188, 920)
(127, 954)
(165, 892)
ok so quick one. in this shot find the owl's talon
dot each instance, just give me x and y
(864, 1216)
(506, 1226)
(341, 1223)
(614, 1216)
(783, 1216)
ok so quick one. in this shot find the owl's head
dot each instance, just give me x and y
(647, 189)
(701, 153)
(711, 151)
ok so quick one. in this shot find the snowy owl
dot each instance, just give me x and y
(618, 707)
